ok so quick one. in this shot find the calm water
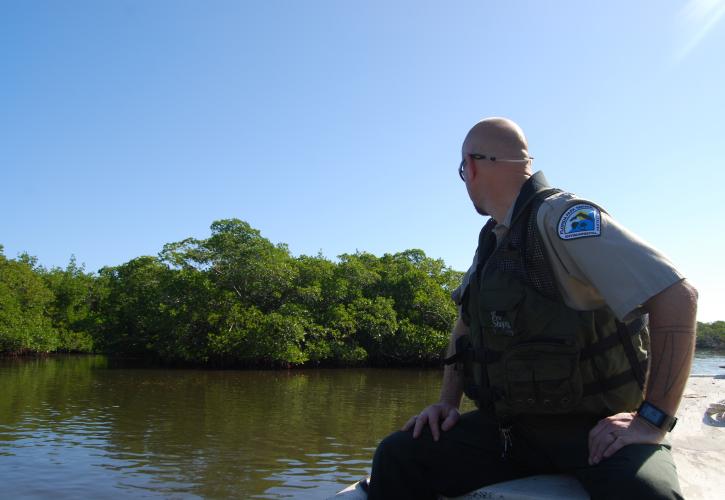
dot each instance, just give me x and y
(78, 427)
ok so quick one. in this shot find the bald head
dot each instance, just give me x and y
(493, 188)
(496, 137)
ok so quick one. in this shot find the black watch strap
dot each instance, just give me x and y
(656, 417)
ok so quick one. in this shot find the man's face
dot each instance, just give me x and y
(474, 186)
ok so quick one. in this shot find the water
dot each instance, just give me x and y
(78, 427)
(708, 363)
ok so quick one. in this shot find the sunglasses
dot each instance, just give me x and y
(476, 156)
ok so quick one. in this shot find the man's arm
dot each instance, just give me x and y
(672, 344)
(452, 387)
(451, 391)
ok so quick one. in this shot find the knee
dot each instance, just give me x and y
(644, 483)
(640, 472)
(644, 487)
(397, 471)
(397, 445)
(656, 477)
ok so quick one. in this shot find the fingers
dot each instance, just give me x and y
(616, 445)
(450, 420)
(601, 443)
(596, 430)
(595, 436)
(434, 424)
(614, 433)
(431, 416)
(409, 424)
(420, 422)
(605, 433)
(600, 437)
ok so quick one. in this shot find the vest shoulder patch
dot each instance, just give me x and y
(580, 221)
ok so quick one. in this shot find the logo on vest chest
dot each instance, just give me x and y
(501, 323)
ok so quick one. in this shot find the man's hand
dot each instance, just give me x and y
(614, 433)
(432, 415)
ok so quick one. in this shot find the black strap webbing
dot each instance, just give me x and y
(631, 330)
(624, 332)
(611, 383)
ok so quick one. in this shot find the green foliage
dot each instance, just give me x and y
(25, 325)
(711, 335)
(70, 311)
(131, 306)
(237, 299)
(237, 258)
(376, 326)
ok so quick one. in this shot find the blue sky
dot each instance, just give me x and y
(336, 126)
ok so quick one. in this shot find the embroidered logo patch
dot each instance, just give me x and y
(501, 324)
(580, 221)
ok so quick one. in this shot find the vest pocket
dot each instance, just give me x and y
(542, 377)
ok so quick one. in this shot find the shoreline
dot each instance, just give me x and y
(701, 357)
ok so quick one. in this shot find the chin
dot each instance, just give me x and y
(481, 211)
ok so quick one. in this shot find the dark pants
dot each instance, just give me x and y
(469, 456)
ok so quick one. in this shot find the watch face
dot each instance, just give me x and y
(652, 414)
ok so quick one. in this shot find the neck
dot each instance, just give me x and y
(503, 195)
(499, 213)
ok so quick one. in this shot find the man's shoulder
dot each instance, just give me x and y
(560, 201)
(569, 216)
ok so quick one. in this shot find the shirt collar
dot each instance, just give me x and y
(509, 215)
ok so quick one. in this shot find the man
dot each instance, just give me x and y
(552, 343)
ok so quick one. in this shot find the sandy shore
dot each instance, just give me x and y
(698, 441)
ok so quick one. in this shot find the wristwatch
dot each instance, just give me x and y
(656, 417)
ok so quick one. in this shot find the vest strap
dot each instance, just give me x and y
(491, 356)
(482, 396)
(601, 386)
(466, 352)
(624, 332)
(456, 358)
(630, 330)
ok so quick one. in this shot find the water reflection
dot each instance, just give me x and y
(74, 427)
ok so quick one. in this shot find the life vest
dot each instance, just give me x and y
(527, 351)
